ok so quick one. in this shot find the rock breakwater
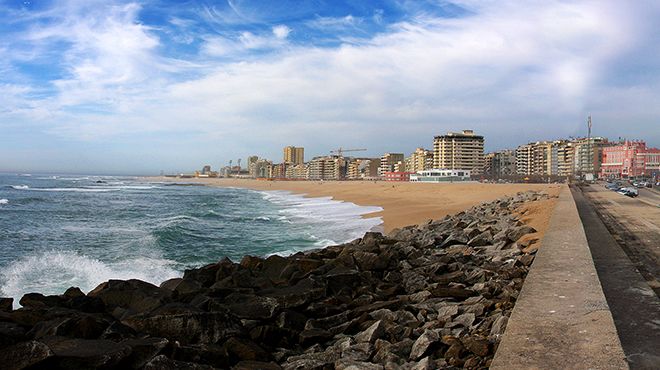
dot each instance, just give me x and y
(436, 295)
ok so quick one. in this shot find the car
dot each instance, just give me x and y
(613, 187)
(630, 192)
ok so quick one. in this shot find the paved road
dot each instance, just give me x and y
(635, 225)
(634, 305)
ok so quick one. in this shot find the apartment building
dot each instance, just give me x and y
(327, 168)
(297, 171)
(294, 155)
(464, 150)
(588, 154)
(501, 164)
(389, 162)
(421, 159)
(360, 168)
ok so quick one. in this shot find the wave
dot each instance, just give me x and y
(19, 187)
(4, 201)
(52, 272)
(332, 221)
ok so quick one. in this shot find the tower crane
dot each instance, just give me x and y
(340, 151)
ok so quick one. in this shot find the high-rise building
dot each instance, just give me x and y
(388, 161)
(455, 150)
(251, 162)
(294, 155)
(588, 155)
(501, 164)
(565, 158)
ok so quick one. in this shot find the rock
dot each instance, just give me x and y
(347, 364)
(424, 364)
(477, 345)
(6, 304)
(163, 363)
(72, 353)
(459, 293)
(182, 286)
(302, 293)
(456, 237)
(243, 349)
(250, 306)
(142, 351)
(375, 331)
(424, 344)
(518, 232)
(367, 261)
(358, 352)
(23, 355)
(256, 365)
(73, 292)
(485, 238)
(311, 336)
(210, 327)
(135, 295)
(291, 320)
(498, 326)
(37, 300)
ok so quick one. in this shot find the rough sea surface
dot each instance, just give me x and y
(58, 231)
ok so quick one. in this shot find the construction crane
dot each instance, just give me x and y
(340, 151)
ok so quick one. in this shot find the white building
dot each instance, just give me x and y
(440, 175)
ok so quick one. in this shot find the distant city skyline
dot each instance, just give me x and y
(120, 87)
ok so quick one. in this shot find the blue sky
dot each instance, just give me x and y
(139, 87)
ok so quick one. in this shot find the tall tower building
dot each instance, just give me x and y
(294, 155)
(459, 151)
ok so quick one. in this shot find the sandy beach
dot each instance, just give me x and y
(403, 203)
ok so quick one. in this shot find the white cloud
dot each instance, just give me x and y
(281, 31)
(533, 68)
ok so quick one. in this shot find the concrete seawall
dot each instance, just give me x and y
(561, 319)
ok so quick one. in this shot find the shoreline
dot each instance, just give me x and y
(404, 203)
(434, 295)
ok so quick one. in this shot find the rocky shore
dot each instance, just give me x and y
(435, 295)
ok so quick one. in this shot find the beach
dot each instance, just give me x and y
(404, 203)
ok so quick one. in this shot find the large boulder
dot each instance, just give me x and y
(24, 355)
(134, 295)
(211, 327)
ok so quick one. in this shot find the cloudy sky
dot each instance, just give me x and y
(139, 87)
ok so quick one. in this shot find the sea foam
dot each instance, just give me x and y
(4, 201)
(52, 272)
(330, 221)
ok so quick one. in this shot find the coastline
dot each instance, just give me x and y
(403, 203)
(434, 295)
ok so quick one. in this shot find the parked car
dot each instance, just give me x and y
(613, 186)
(630, 192)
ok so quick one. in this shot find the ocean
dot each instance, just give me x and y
(58, 231)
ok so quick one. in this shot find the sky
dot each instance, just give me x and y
(122, 87)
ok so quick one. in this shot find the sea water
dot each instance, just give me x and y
(58, 231)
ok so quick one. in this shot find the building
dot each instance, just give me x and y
(388, 161)
(438, 175)
(262, 169)
(206, 169)
(398, 176)
(501, 164)
(630, 159)
(544, 159)
(588, 155)
(294, 155)
(298, 172)
(327, 168)
(421, 159)
(463, 150)
(565, 159)
(362, 168)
